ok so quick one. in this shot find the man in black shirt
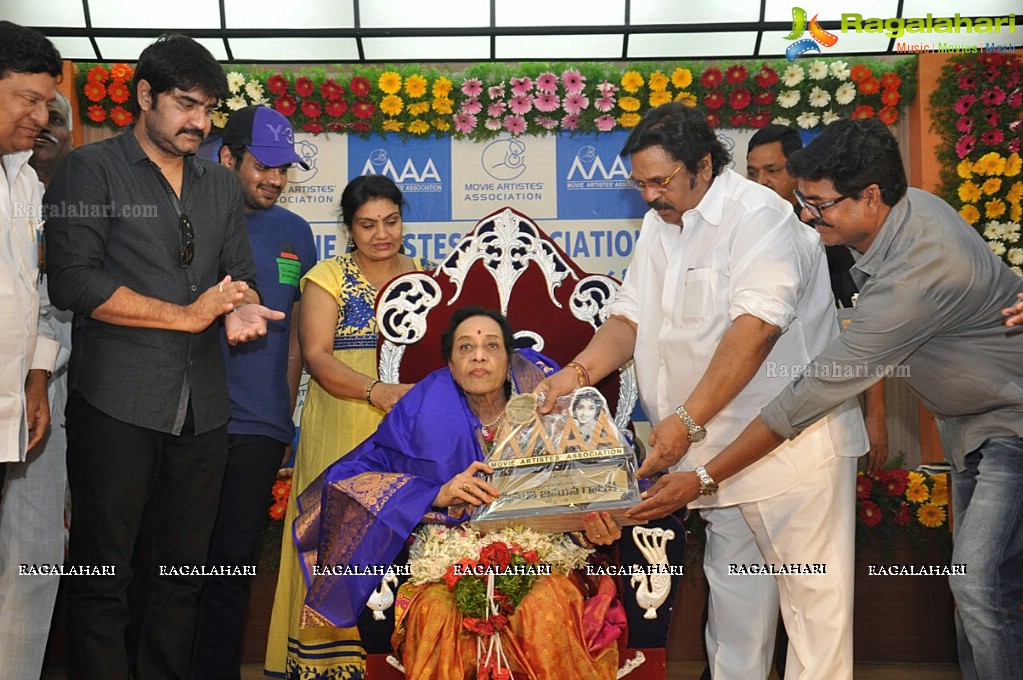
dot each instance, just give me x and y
(147, 245)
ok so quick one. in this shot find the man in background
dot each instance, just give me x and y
(34, 490)
(262, 381)
(29, 68)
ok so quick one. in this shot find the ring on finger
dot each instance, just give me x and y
(466, 488)
(221, 287)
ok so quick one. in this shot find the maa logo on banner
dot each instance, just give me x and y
(420, 167)
(593, 178)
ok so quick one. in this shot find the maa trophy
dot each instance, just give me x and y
(552, 470)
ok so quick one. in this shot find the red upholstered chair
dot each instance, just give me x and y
(508, 263)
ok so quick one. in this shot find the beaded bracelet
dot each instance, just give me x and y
(369, 390)
(584, 375)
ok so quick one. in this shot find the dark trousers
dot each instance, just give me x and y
(132, 486)
(252, 464)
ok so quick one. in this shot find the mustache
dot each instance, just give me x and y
(820, 222)
(192, 131)
(45, 135)
(658, 204)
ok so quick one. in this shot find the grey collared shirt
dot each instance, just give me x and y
(931, 292)
(113, 222)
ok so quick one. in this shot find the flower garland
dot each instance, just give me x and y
(978, 111)
(893, 499)
(280, 492)
(487, 100)
(108, 90)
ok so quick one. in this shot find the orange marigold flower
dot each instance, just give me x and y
(682, 78)
(917, 493)
(97, 74)
(888, 115)
(870, 86)
(890, 97)
(418, 108)
(392, 125)
(863, 111)
(860, 72)
(628, 120)
(118, 92)
(389, 82)
(415, 86)
(277, 510)
(94, 90)
(969, 213)
(121, 116)
(994, 209)
(891, 80)
(97, 114)
(632, 81)
(658, 97)
(658, 81)
(419, 127)
(121, 71)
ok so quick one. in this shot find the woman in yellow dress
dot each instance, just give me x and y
(344, 404)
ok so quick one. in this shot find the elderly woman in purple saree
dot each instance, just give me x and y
(421, 467)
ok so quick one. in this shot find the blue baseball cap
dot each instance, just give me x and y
(266, 133)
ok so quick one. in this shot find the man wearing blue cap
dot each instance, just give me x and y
(262, 382)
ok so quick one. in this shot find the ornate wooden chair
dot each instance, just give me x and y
(508, 263)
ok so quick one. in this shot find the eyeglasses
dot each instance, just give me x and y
(815, 209)
(187, 240)
(659, 185)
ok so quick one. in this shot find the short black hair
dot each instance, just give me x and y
(682, 131)
(23, 50)
(854, 154)
(238, 152)
(789, 138)
(447, 338)
(364, 189)
(177, 61)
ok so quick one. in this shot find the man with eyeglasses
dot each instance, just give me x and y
(725, 298)
(262, 380)
(147, 245)
(931, 299)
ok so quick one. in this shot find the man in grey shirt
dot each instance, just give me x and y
(147, 245)
(931, 294)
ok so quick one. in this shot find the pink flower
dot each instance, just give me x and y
(570, 122)
(472, 87)
(547, 82)
(966, 82)
(990, 117)
(521, 86)
(605, 123)
(992, 137)
(547, 102)
(965, 145)
(604, 104)
(964, 103)
(465, 122)
(574, 103)
(1016, 99)
(1013, 79)
(573, 81)
(993, 97)
(496, 109)
(496, 91)
(493, 124)
(521, 104)
(607, 89)
(546, 123)
(1014, 146)
(965, 124)
(471, 106)
(515, 124)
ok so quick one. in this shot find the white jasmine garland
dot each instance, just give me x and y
(839, 70)
(818, 70)
(788, 99)
(819, 98)
(807, 120)
(792, 76)
(845, 93)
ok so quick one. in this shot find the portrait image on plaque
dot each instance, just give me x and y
(554, 469)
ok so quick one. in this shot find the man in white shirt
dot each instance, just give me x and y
(29, 66)
(726, 298)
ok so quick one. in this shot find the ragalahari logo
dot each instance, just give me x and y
(803, 45)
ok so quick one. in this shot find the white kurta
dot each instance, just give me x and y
(24, 344)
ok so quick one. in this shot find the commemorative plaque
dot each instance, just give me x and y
(552, 470)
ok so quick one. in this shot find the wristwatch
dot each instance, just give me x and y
(697, 433)
(708, 486)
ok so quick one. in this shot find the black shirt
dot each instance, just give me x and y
(113, 221)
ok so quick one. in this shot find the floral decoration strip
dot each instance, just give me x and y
(903, 499)
(487, 100)
(978, 112)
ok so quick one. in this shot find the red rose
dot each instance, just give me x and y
(277, 84)
(331, 90)
(336, 108)
(312, 127)
(303, 87)
(495, 554)
(711, 78)
(359, 86)
(285, 105)
(739, 98)
(714, 100)
(766, 78)
(870, 514)
(311, 108)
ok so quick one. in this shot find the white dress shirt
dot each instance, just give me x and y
(24, 342)
(741, 251)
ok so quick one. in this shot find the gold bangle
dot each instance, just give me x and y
(584, 375)
(369, 391)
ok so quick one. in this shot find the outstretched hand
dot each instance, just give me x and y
(668, 494)
(466, 487)
(669, 443)
(550, 388)
(1014, 314)
(248, 322)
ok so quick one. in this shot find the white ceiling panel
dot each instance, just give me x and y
(291, 49)
(420, 14)
(49, 13)
(547, 13)
(690, 45)
(295, 14)
(172, 14)
(75, 48)
(675, 12)
(544, 47)
(781, 10)
(129, 49)
(427, 49)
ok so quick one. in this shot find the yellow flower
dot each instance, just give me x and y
(915, 477)
(970, 214)
(415, 86)
(419, 127)
(441, 124)
(629, 104)
(391, 105)
(994, 209)
(965, 168)
(658, 81)
(682, 78)
(218, 118)
(389, 82)
(659, 97)
(393, 125)
(1015, 193)
(969, 192)
(628, 120)
(1015, 212)
(441, 88)
(917, 493)
(632, 81)
(991, 185)
(939, 495)
(443, 106)
(687, 98)
(1013, 165)
(930, 515)
(990, 164)
(418, 108)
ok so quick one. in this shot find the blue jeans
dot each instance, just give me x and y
(987, 500)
